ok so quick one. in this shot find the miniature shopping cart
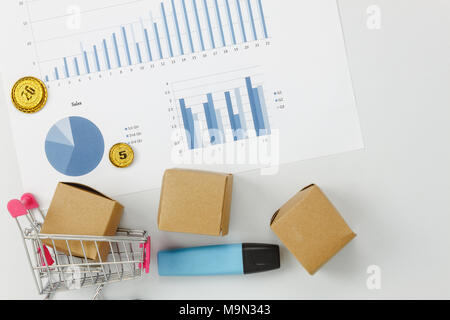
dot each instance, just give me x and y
(129, 256)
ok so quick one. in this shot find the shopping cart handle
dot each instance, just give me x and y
(147, 252)
(16, 208)
(29, 201)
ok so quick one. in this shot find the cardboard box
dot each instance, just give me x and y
(311, 228)
(80, 210)
(195, 202)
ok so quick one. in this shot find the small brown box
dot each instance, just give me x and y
(196, 202)
(311, 228)
(80, 210)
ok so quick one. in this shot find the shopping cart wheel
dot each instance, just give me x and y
(98, 292)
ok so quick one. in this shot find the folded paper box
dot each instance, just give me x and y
(311, 228)
(80, 210)
(195, 202)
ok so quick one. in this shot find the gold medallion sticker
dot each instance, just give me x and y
(29, 94)
(121, 155)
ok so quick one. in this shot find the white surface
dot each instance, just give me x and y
(394, 193)
(319, 116)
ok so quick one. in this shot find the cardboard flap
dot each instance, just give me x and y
(274, 216)
(307, 187)
(226, 208)
(294, 202)
(86, 188)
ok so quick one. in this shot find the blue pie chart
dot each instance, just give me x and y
(74, 146)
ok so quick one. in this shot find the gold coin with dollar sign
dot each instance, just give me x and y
(121, 155)
(29, 95)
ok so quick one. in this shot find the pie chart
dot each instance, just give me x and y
(74, 146)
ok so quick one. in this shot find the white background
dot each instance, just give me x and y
(394, 194)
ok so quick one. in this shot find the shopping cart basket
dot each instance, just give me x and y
(53, 271)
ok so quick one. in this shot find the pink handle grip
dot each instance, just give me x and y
(48, 257)
(29, 201)
(147, 251)
(16, 208)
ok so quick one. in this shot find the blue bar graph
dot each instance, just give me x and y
(221, 131)
(230, 109)
(188, 27)
(265, 115)
(97, 61)
(219, 22)
(138, 51)
(240, 107)
(177, 27)
(239, 134)
(224, 110)
(187, 23)
(125, 42)
(209, 122)
(212, 112)
(158, 40)
(241, 20)
(230, 21)
(105, 51)
(188, 123)
(237, 121)
(46, 79)
(208, 116)
(231, 114)
(56, 73)
(258, 110)
(166, 27)
(199, 27)
(208, 19)
(213, 121)
(252, 20)
(116, 49)
(190, 118)
(255, 105)
(66, 68)
(147, 44)
(86, 62)
(198, 134)
(263, 19)
(77, 68)
(252, 104)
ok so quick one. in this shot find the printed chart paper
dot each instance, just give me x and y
(227, 85)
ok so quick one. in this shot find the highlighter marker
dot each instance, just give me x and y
(243, 258)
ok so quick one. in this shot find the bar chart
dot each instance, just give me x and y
(157, 31)
(222, 108)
